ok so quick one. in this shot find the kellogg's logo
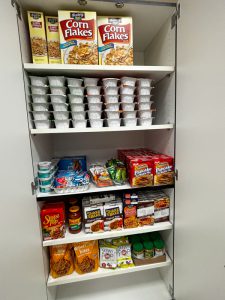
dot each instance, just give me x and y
(77, 16)
(35, 16)
(78, 29)
(111, 33)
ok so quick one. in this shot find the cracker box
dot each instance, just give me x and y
(52, 32)
(78, 37)
(115, 40)
(37, 37)
(163, 169)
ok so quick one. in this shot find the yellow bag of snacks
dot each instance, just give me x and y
(52, 32)
(86, 257)
(61, 260)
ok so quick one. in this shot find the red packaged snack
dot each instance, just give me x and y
(130, 202)
(163, 169)
(53, 221)
(140, 171)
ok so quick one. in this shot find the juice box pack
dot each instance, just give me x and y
(78, 37)
(52, 32)
(115, 40)
(37, 37)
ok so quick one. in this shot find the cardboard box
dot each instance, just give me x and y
(52, 32)
(115, 40)
(78, 37)
(37, 37)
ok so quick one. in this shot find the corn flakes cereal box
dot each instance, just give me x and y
(78, 37)
(52, 32)
(115, 40)
(37, 37)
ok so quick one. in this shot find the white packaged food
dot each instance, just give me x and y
(127, 98)
(128, 81)
(94, 99)
(145, 105)
(61, 115)
(144, 91)
(113, 122)
(40, 106)
(60, 106)
(112, 106)
(130, 114)
(58, 81)
(90, 81)
(77, 107)
(144, 82)
(144, 98)
(39, 90)
(76, 82)
(130, 122)
(128, 106)
(62, 123)
(42, 124)
(112, 114)
(78, 115)
(111, 98)
(110, 82)
(78, 91)
(74, 99)
(111, 91)
(94, 115)
(145, 122)
(58, 99)
(40, 98)
(127, 90)
(41, 115)
(96, 123)
(58, 90)
(95, 106)
(145, 114)
(93, 90)
(79, 123)
(38, 80)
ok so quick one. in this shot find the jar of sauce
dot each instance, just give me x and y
(75, 224)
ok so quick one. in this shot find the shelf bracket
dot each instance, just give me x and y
(175, 16)
(176, 175)
(171, 291)
(119, 4)
(17, 7)
(33, 188)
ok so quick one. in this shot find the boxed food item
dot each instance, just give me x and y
(61, 260)
(161, 207)
(108, 255)
(52, 32)
(78, 37)
(130, 202)
(145, 211)
(113, 215)
(53, 221)
(86, 257)
(115, 40)
(163, 169)
(73, 163)
(37, 37)
(93, 217)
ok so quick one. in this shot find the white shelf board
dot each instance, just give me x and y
(74, 277)
(153, 72)
(82, 236)
(103, 129)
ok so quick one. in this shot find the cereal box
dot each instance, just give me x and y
(115, 40)
(52, 32)
(37, 37)
(78, 37)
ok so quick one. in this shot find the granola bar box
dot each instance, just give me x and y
(115, 40)
(52, 32)
(78, 37)
(37, 37)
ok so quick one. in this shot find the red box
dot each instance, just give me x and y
(163, 169)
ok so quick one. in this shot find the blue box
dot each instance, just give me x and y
(73, 163)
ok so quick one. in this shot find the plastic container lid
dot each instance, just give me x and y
(159, 244)
(148, 245)
(135, 239)
(155, 236)
(144, 237)
(138, 247)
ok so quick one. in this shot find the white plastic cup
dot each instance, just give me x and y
(94, 99)
(60, 106)
(41, 115)
(127, 90)
(111, 98)
(96, 123)
(94, 115)
(90, 81)
(62, 124)
(95, 107)
(39, 90)
(130, 114)
(78, 116)
(77, 107)
(42, 124)
(40, 106)
(113, 122)
(93, 90)
(74, 99)
(130, 122)
(79, 123)
(110, 82)
(130, 81)
(61, 115)
(61, 99)
(40, 98)
(127, 98)
(128, 106)
(78, 91)
(76, 82)
(56, 81)
(58, 90)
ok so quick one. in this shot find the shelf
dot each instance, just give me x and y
(103, 129)
(74, 277)
(94, 189)
(82, 236)
(153, 72)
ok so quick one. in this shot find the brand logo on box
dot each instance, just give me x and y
(115, 33)
(77, 29)
(35, 16)
(52, 20)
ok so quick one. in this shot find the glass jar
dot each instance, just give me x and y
(75, 224)
(148, 249)
(159, 247)
(138, 251)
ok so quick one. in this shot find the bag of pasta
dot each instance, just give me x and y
(86, 257)
(61, 260)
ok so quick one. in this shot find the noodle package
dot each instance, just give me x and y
(86, 257)
(61, 260)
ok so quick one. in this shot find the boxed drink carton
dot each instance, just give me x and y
(52, 32)
(115, 40)
(78, 37)
(37, 37)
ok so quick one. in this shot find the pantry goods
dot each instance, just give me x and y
(52, 32)
(78, 37)
(115, 40)
(93, 217)
(61, 260)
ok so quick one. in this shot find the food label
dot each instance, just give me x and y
(113, 216)
(93, 218)
(108, 257)
(37, 37)
(78, 37)
(140, 172)
(52, 32)
(115, 38)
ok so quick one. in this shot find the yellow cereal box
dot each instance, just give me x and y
(52, 32)
(37, 37)
(78, 37)
(115, 40)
